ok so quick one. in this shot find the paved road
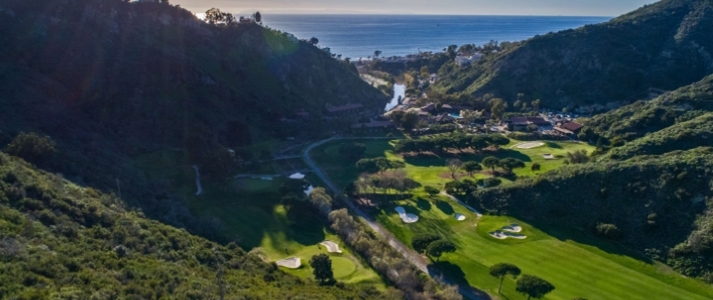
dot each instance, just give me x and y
(415, 258)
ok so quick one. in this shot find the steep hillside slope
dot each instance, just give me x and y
(148, 72)
(643, 117)
(59, 240)
(664, 45)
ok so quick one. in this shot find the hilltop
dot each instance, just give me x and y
(662, 46)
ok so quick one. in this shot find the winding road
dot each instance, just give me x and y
(415, 258)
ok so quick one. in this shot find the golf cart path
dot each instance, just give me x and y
(415, 258)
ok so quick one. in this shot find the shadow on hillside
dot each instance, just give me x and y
(582, 237)
(455, 275)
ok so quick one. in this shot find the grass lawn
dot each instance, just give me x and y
(587, 268)
(249, 210)
(432, 170)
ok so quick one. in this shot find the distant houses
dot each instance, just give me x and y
(569, 128)
(521, 123)
(462, 60)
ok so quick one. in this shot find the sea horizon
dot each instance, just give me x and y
(359, 35)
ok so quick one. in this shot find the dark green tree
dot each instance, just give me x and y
(409, 121)
(508, 164)
(257, 17)
(491, 162)
(322, 267)
(535, 167)
(314, 41)
(420, 242)
(437, 248)
(472, 167)
(32, 147)
(502, 269)
(431, 190)
(533, 286)
(352, 150)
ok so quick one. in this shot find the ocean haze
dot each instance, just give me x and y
(358, 36)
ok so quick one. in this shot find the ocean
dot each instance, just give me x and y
(357, 36)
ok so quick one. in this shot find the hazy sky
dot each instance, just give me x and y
(436, 7)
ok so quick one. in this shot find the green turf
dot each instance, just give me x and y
(249, 211)
(432, 170)
(576, 269)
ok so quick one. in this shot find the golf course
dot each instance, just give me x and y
(249, 210)
(576, 263)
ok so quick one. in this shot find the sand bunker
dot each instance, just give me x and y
(548, 156)
(460, 217)
(512, 228)
(407, 218)
(297, 176)
(331, 246)
(529, 145)
(290, 262)
(508, 232)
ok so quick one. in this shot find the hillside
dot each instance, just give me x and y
(60, 240)
(664, 45)
(146, 73)
(643, 117)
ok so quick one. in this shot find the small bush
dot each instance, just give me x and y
(609, 231)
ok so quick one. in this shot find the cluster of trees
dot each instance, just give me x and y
(577, 157)
(388, 261)
(530, 285)
(32, 147)
(507, 164)
(455, 141)
(432, 244)
(405, 120)
(379, 164)
(389, 180)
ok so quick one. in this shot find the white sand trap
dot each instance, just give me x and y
(290, 262)
(460, 217)
(297, 176)
(504, 235)
(331, 246)
(407, 218)
(529, 145)
(548, 156)
(512, 228)
(309, 190)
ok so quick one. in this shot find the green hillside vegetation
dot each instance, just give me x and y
(62, 240)
(681, 136)
(648, 203)
(663, 45)
(640, 118)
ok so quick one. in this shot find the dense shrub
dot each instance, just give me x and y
(32, 147)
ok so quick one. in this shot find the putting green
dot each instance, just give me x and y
(343, 267)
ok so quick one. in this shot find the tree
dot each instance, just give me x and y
(425, 72)
(322, 267)
(314, 41)
(536, 105)
(397, 117)
(502, 269)
(431, 190)
(578, 157)
(367, 165)
(377, 53)
(32, 147)
(491, 162)
(454, 165)
(420, 242)
(471, 167)
(257, 17)
(508, 164)
(437, 248)
(533, 286)
(215, 16)
(409, 121)
(498, 107)
(535, 167)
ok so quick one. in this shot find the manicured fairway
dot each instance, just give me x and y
(576, 269)
(249, 210)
